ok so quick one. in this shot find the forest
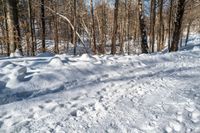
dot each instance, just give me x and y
(96, 26)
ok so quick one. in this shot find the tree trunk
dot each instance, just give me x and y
(178, 25)
(115, 27)
(43, 26)
(129, 15)
(188, 32)
(31, 27)
(152, 24)
(102, 28)
(169, 24)
(143, 33)
(121, 37)
(93, 27)
(74, 30)
(160, 44)
(13, 25)
(6, 27)
(55, 29)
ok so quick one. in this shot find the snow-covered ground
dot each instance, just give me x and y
(139, 94)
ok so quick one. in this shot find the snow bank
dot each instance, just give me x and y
(196, 48)
(87, 57)
(16, 54)
(5, 63)
(45, 54)
(56, 62)
(16, 76)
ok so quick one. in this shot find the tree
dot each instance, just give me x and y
(160, 44)
(102, 28)
(6, 28)
(115, 27)
(169, 24)
(178, 25)
(43, 25)
(13, 25)
(31, 27)
(152, 23)
(74, 30)
(143, 33)
(93, 27)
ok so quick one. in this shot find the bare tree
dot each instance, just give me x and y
(43, 26)
(152, 24)
(160, 44)
(115, 27)
(143, 33)
(74, 30)
(169, 24)
(31, 28)
(13, 25)
(93, 27)
(178, 25)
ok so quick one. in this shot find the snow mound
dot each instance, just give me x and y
(9, 68)
(87, 57)
(45, 54)
(63, 57)
(17, 53)
(56, 62)
(196, 48)
(17, 75)
(3, 64)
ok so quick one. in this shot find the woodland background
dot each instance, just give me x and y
(96, 26)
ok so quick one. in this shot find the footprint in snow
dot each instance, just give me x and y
(15, 123)
(31, 110)
(8, 117)
(61, 105)
(41, 107)
(75, 98)
(48, 101)
(77, 113)
(74, 105)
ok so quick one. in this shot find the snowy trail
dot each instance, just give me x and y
(146, 93)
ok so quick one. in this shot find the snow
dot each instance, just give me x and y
(56, 62)
(46, 54)
(140, 94)
(16, 54)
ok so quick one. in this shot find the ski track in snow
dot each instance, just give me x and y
(139, 94)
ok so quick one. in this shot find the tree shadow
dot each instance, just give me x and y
(9, 95)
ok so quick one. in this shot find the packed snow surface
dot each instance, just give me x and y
(140, 94)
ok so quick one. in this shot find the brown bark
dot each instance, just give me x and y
(74, 30)
(6, 27)
(178, 25)
(93, 27)
(31, 29)
(152, 24)
(143, 33)
(13, 25)
(115, 28)
(160, 44)
(43, 25)
(169, 24)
